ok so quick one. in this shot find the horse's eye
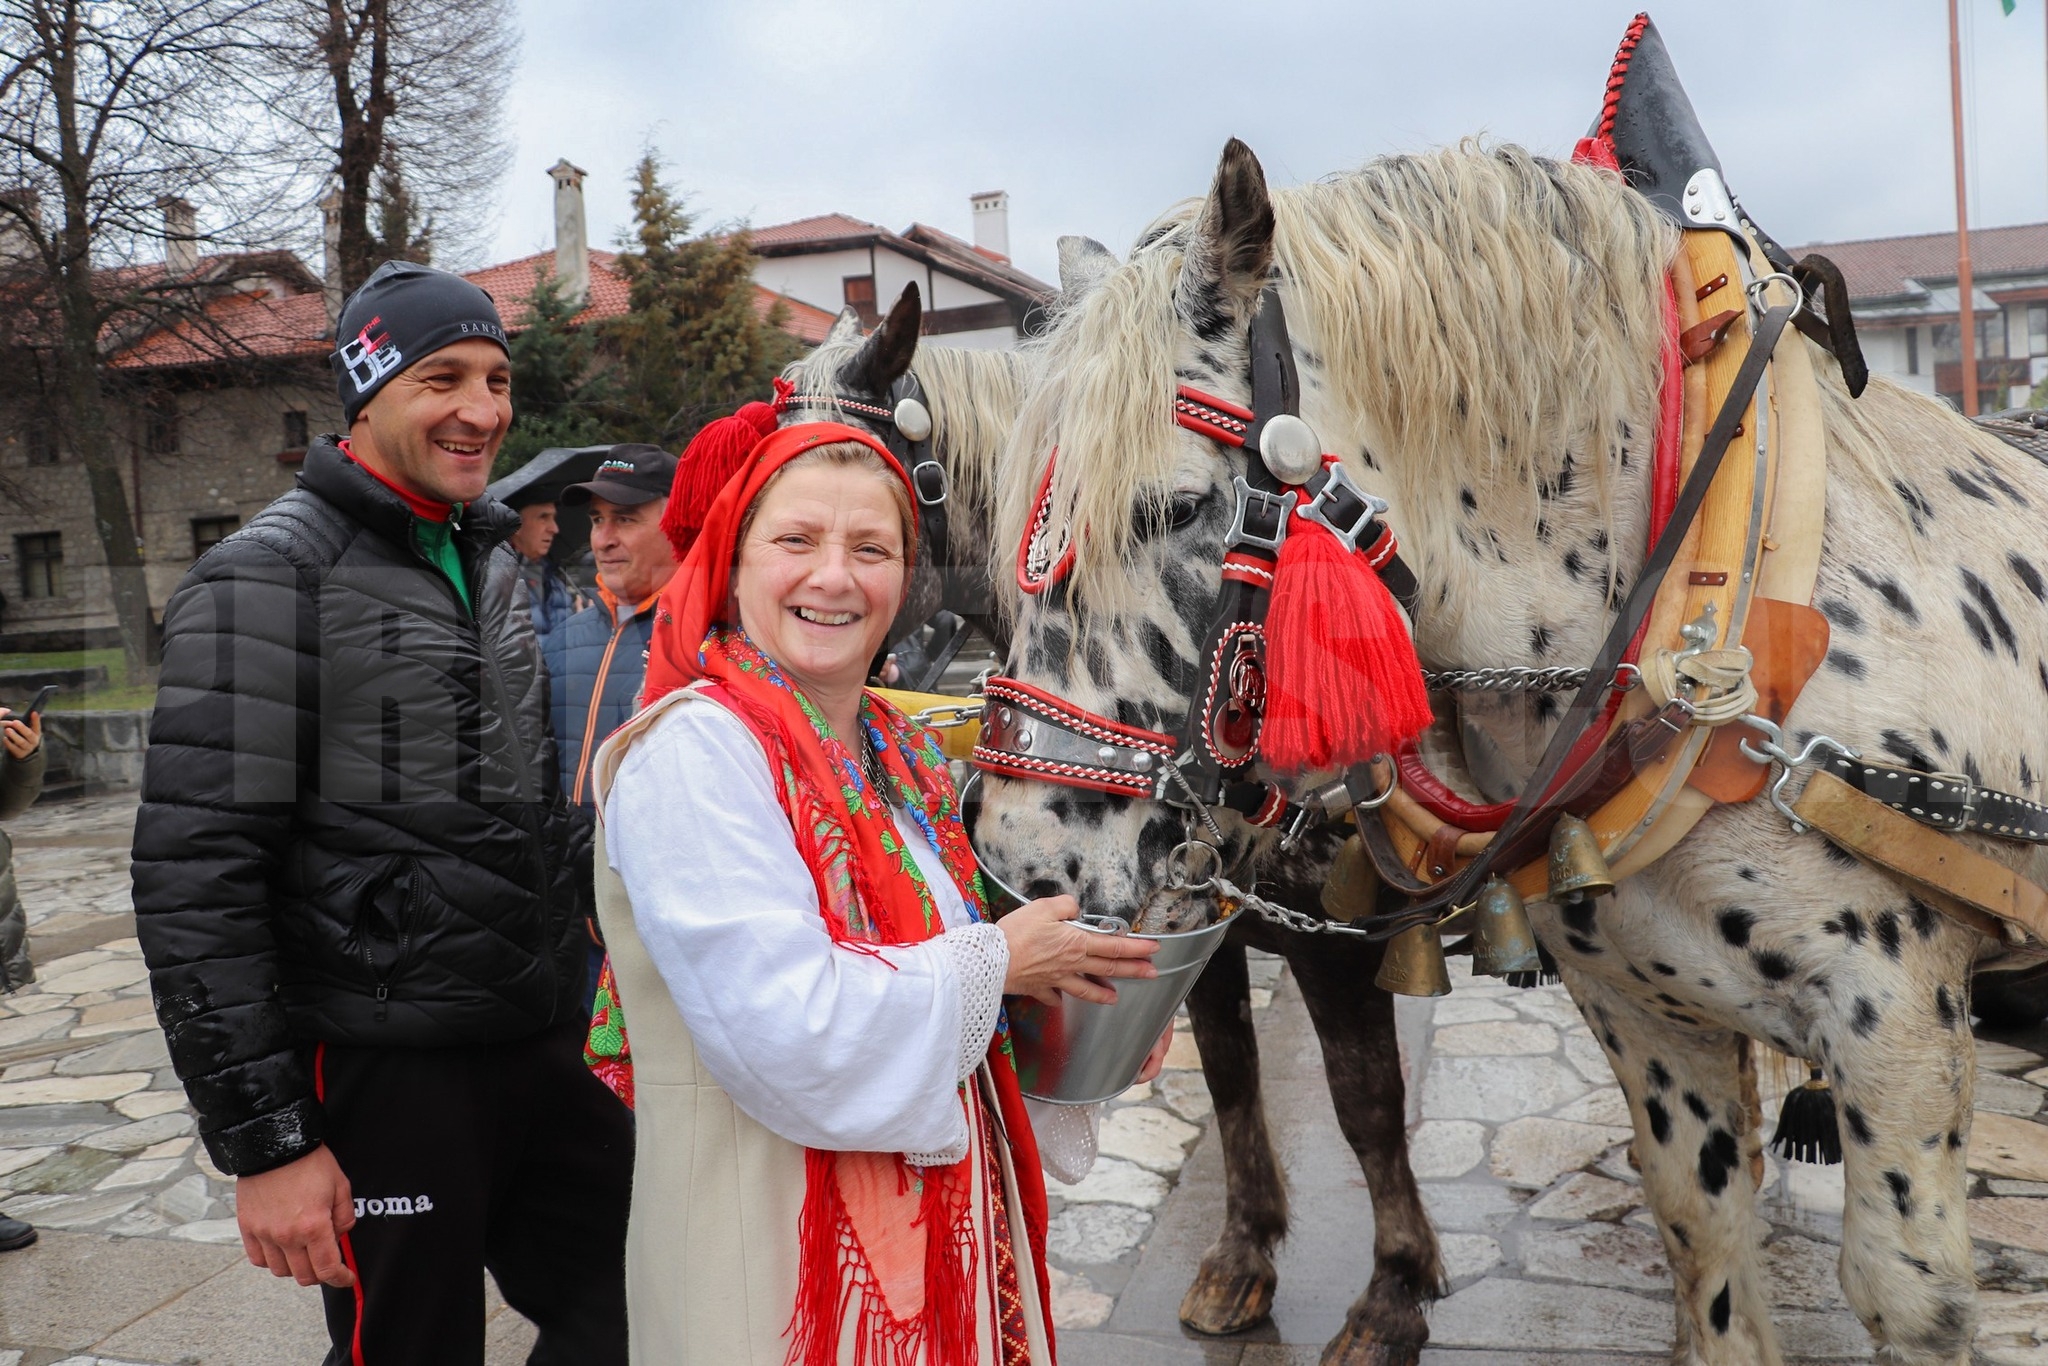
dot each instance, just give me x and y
(1184, 508)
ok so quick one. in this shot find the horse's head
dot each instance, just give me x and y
(866, 382)
(1122, 537)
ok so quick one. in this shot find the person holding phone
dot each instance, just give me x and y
(21, 782)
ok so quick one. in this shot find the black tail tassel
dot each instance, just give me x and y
(1808, 1130)
(1546, 976)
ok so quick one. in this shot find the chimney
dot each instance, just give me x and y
(330, 253)
(572, 240)
(17, 240)
(181, 236)
(992, 222)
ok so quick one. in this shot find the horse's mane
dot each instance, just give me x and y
(1476, 309)
(973, 395)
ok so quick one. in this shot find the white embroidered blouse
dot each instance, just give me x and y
(827, 1047)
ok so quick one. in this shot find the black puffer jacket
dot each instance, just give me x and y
(351, 825)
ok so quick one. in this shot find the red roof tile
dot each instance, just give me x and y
(826, 227)
(236, 326)
(807, 324)
(510, 283)
(245, 324)
(1883, 267)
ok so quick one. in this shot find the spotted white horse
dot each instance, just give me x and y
(1478, 335)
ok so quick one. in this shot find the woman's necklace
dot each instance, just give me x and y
(871, 765)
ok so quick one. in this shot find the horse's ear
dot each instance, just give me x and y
(845, 327)
(1084, 264)
(1232, 251)
(886, 355)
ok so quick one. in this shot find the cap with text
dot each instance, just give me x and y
(403, 313)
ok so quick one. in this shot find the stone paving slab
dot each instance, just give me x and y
(1552, 1258)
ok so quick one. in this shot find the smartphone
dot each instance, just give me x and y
(49, 690)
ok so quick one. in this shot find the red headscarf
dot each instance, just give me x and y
(895, 1244)
(710, 459)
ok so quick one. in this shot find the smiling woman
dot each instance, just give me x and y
(797, 932)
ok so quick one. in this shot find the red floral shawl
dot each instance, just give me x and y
(893, 1240)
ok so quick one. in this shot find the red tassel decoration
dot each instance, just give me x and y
(714, 454)
(1342, 679)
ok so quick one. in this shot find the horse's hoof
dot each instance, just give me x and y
(1224, 1302)
(1352, 1347)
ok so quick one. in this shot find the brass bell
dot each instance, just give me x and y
(1502, 941)
(1578, 870)
(1414, 965)
(1351, 886)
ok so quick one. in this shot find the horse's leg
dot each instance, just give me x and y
(1903, 1065)
(1354, 1022)
(1233, 1288)
(1695, 1139)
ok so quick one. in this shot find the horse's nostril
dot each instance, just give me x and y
(1041, 887)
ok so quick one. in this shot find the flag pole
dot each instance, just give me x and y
(1966, 313)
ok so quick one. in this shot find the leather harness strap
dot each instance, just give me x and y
(1543, 798)
(1946, 801)
(1876, 833)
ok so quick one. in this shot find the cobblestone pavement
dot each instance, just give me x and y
(1519, 1140)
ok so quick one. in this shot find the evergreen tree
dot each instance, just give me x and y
(561, 387)
(691, 345)
(399, 237)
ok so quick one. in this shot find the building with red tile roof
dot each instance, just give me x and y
(216, 407)
(1903, 294)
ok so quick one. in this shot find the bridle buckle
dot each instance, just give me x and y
(1261, 517)
(928, 476)
(1342, 507)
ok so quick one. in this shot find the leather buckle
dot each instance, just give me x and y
(1260, 518)
(1961, 782)
(1341, 506)
(928, 477)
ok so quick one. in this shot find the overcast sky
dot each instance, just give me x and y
(1831, 117)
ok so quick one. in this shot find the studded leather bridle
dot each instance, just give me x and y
(1031, 734)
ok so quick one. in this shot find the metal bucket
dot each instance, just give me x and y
(1078, 1052)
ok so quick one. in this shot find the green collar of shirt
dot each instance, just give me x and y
(436, 541)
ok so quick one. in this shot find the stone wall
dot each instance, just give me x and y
(94, 751)
(232, 461)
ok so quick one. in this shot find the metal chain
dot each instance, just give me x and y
(1518, 678)
(1284, 917)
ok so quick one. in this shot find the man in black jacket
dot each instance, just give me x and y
(353, 875)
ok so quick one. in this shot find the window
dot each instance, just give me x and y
(42, 564)
(1946, 341)
(294, 430)
(1991, 338)
(1912, 350)
(860, 296)
(160, 423)
(2037, 329)
(208, 532)
(42, 440)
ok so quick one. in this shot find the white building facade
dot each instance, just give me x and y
(1904, 297)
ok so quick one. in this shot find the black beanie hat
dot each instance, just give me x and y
(403, 313)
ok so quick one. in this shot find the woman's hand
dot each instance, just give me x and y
(1155, 1061)
(1049, 956)
(21, 737)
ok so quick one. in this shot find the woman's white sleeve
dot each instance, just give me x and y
(829, 1047)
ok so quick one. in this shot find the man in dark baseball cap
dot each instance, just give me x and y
(630, 474)
(595, 661)
(357, 882)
